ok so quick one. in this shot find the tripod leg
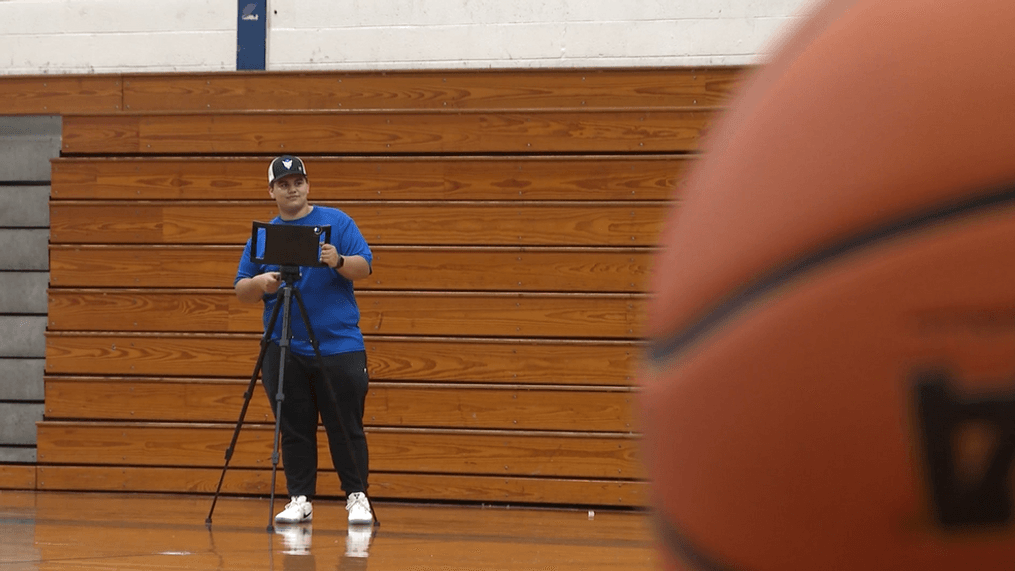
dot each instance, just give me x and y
(283, 344)
(333, 397)
(236, 433)
(243, 411)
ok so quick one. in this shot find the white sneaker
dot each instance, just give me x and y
(297, 511)
(296, 538)
(357, 541)
(359, 509)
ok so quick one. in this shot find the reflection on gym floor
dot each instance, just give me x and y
(63, 531)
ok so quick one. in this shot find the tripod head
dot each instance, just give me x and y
(290, 274)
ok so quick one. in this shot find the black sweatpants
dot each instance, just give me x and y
(306, 396)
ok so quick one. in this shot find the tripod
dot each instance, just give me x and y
(284, 297)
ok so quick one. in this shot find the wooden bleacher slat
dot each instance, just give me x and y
(596, 316)
(383, 485)
(523, 361)
(574, 316)
(611, 177)
(102, 133)
(406, 405)
(445, 89)
(119, 266)
(606, 270)
(388, 133)
(17, 477)
(437, 90)
(507, 453)
(396, 223)
(60, 94)
(514, 489)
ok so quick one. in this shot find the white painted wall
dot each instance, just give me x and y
(106, 36)
(109, 36)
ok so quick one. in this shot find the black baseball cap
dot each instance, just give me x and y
(285, 165)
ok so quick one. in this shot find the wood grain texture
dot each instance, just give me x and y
(422, 359)
(442, 178)
(17, 477)
(571, 316)
(383, 485)
(513, 215)
(447, 89)
(436, 90)
(616, 316)
(507, 453)
(60, 94)
(404, 405)
(419, 268)
(394, 223)
(101, 133)
(65, 531)
(391, 133)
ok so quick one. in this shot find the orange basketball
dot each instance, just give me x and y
(830, 378)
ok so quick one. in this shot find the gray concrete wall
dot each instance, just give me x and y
(26, 146)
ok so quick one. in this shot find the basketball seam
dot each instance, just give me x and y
(684, 549)
(670, 346)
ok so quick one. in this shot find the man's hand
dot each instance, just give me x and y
(250, 290)
(270, 281)
(329, 256)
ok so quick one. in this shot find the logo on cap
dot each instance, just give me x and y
(287, 163)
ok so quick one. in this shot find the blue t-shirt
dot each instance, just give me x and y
(327, 295)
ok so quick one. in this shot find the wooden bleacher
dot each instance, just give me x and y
(512, 215)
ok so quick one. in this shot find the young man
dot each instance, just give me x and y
(336, 393)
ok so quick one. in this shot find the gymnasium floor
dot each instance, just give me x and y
(64, 531)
